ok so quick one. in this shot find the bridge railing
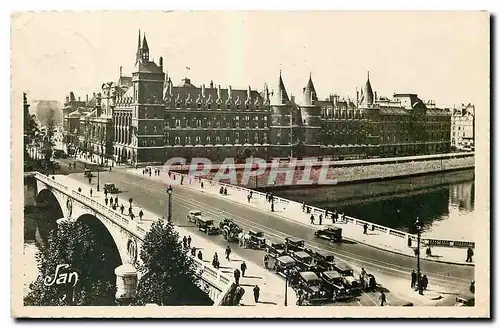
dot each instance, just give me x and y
(348, 219)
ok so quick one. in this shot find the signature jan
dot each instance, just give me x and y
(60, 277)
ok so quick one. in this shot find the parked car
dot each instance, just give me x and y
(283, 264)
(304, 260)
(465, 299)
(310, 284)
(294, 244)
(347, 273)
(276, 249)
(331, 233)
(324, 261)
(207, 226)
(87, 173)
(256, 240)
(335, 285)
(193, 216)
(110, 188)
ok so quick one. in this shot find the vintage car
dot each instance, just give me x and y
(110, 188)
(304, 260)
(324, 261)
(294, 244)
(256, 240)
(207, 226)
(335, 285)
(465, 299)
(230, 232)
(276, 249)
(347, 273)
(193, 216)
(87, 173)
(331, 233)
(283, 265)
(310, 284)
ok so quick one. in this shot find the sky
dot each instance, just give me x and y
(441, 56)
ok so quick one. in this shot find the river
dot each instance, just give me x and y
(443, 201)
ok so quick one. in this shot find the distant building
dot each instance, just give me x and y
(145, 118)
(72, 112)
(462, 128)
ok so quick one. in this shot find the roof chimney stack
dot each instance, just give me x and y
(120, 71)
(161, 63)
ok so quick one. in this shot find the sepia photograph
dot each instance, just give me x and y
(262, 164)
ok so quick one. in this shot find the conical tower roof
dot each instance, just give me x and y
(280, 97)
(309, 93)
(368, 92)
(144, 43)
(138, 52)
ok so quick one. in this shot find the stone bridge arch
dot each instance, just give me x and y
(51, 210)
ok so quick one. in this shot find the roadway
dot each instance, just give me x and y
(150, 194)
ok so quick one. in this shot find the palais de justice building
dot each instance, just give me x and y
(145, 118)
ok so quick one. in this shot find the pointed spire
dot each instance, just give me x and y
(144, 43)
(309, 95)
(281, 97)
(367, 92)
(138, 52)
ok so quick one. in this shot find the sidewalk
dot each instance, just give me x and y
(272, 291)
(293, 212)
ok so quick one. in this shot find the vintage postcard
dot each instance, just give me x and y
(320, 164)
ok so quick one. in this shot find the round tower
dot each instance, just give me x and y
(281, 133)
(311, 120)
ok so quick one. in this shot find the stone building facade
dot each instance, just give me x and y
(462, 128)
(145, 118)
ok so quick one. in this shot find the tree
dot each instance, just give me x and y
(168, 276)
(75, 244)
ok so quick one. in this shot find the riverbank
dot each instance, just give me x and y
(292, 175)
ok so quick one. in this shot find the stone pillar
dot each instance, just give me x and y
(126, 282)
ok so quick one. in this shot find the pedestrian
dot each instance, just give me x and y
(143, 172)
(428, 251)
(105, 193)
(320, 218)
(116, 201)
(193, 251)
(130, 210)
(141, 214)
(90, 179)
(251, 194)
(266, 260)
(243, 268)
(150, 172)
(256, 293)
(189, 241)
(132, 216)
(472, 287)
(470, 254)
(184, 242)
(303, 206)
(413, 279)
(202, 185)
(225, 191)
(200, 256)
(90, 192)
(425, 281)
(79, 189)
(248, 198)
(409, 241)
(110, 169)
(228, 252)
(382, 298)
(312, 218)
(106, 201)
(365, 229)
(237, 276)
(272, 206)
(122, 208)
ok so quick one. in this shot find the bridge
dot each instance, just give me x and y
(127, 235)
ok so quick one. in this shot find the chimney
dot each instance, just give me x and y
(78, 99)
(211, 84)
(86, 99)
(229, 93)
(161, 63)
(203, 90)
(375, 94)
(120, 71)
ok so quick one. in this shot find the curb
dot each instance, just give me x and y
(350, 239)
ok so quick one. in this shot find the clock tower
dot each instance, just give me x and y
(147, 110)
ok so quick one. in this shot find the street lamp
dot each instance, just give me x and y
(169, 192)
(286, 287)
(418, 225)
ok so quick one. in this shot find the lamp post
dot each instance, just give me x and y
(286, 287)
(418, 225)
(169, 192)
